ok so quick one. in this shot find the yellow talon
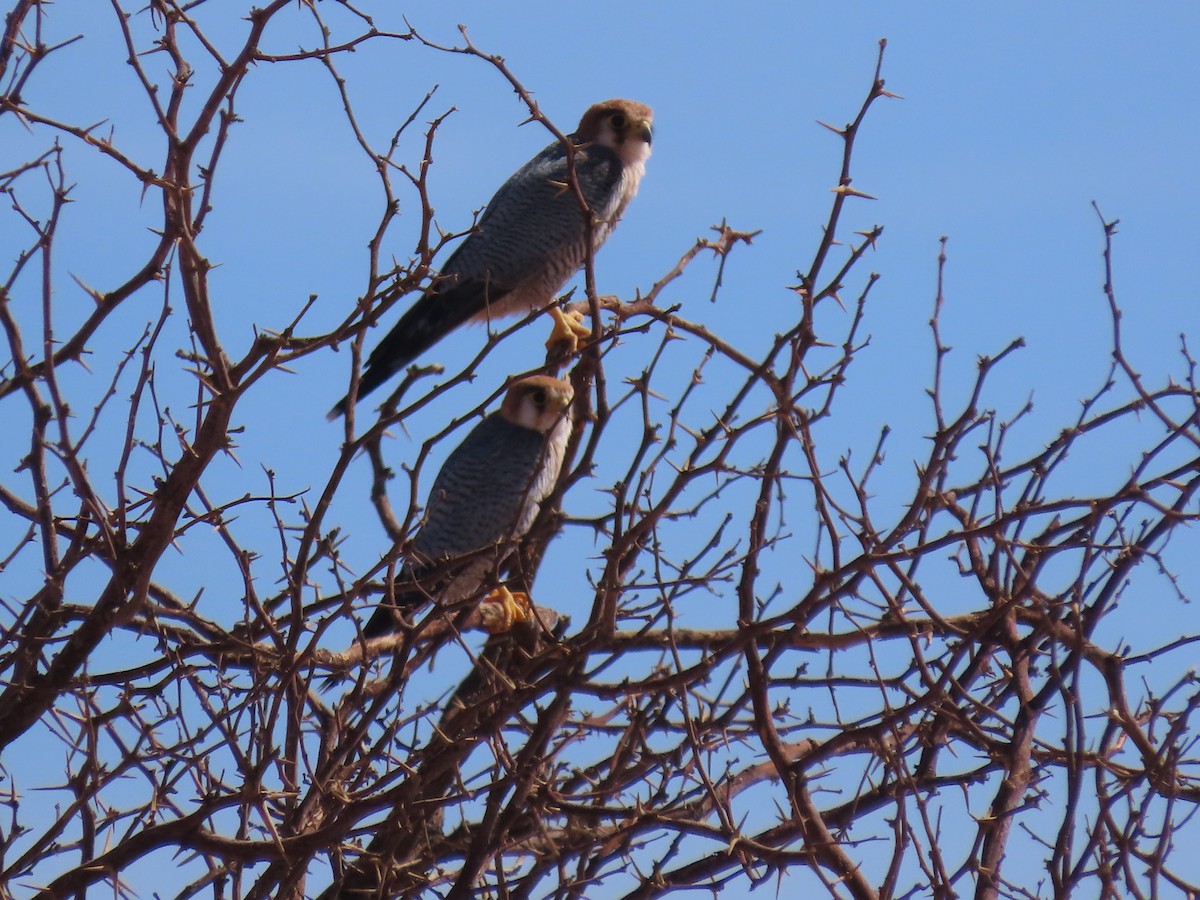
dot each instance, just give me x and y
(502, 609)
(568, 329)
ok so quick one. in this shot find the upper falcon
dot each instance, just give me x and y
(531, 238)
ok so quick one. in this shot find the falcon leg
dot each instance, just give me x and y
(568, 329)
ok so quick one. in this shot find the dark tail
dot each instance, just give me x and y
(383, 620)
(429, 320)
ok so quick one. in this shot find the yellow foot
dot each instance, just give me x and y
(502, 609)
(568, 329)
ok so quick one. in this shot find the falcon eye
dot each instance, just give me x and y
(618, 121)
(539, 397)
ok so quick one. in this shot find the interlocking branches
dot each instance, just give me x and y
(755, 670)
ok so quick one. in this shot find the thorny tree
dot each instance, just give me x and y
(764, 675)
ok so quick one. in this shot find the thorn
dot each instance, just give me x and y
(848, 191)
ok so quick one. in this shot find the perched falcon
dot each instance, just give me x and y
(530, 239)
(488, 493)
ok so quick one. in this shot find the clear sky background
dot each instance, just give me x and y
(1015, 118)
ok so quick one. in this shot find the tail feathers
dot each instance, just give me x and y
(429, 320)
(337, 411)
(383, 620)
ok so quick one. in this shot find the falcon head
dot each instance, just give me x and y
(624, 126)
(538, 402)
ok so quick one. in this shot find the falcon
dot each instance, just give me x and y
(486, 495)
(531, 238)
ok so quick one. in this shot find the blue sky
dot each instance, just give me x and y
(1015, 118)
